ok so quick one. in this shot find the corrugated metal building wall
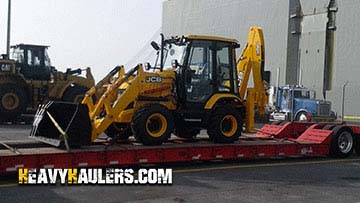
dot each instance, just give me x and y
(315, 43)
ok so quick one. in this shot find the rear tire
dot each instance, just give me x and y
(13, 101)
(342, 142)
(225, 125)
(152, 124)
(74, 94)
(119, 131)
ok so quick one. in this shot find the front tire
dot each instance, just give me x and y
(152, 124)
(225, 125)
(13, 101)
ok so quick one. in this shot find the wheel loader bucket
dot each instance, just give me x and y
(58, 123)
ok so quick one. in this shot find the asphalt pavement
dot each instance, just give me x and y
(14, 132)
(290, 180)
(275, 180)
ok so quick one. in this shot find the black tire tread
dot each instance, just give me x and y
(138, 124)
(23, 100)
(214, 132)
(334, 150)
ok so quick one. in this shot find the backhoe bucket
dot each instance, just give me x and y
(59, 123)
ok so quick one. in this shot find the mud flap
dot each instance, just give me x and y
(72, 118)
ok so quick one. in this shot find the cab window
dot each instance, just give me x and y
(198, 87)
(223, 68)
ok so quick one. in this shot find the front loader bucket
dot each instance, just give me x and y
(58, 123)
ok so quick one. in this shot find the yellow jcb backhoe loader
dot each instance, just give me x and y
(193, 85)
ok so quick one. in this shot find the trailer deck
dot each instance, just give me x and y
(291, 139)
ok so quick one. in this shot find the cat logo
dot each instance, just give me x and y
(154, 79)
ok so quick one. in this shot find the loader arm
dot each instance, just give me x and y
(253, 59)
(104, 112)
(99, 89)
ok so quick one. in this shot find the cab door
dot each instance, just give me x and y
(199, 74)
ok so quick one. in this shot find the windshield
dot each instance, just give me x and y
(17, 54)
(304, 94)
(171, 52)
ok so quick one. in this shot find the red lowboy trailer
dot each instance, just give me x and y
(287, 139)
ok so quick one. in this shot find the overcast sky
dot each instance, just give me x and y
(81, 33)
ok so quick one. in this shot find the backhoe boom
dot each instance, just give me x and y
(253, 59)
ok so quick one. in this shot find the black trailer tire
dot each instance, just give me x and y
(119, 131)
(74, 94)
(13, 101)
(342, 142)
(225, 125)
(152, 124)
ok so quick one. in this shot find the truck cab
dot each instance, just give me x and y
(300, 104)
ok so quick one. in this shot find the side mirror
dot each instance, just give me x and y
(155, 46)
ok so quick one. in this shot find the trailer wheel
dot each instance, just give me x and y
(74, 94)
(13, 101)
(120, 131)
(152, 124)
(342, 142)
(225, 125)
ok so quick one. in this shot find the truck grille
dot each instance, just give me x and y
(324, 109)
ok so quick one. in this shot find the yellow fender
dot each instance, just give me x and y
(216, 97)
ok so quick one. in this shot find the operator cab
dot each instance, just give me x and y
(33, 61)
(204, 66)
